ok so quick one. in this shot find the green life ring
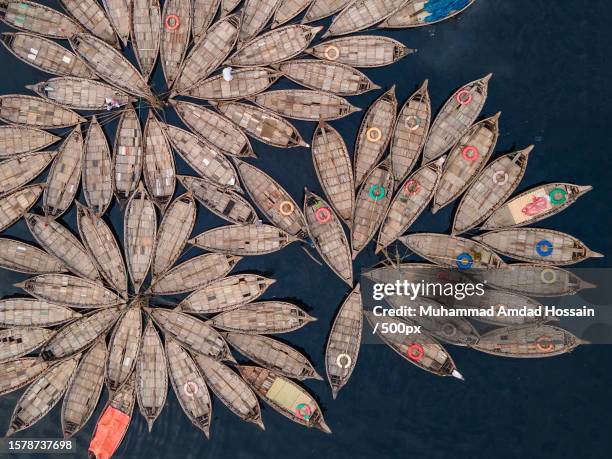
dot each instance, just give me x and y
(377, 196)
(555, 198)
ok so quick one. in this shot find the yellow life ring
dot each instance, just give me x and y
(344, 361)
(331, 53)
(286, 208)
(544, 344)
(374, 134)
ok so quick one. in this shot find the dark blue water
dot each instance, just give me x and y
(552, 82)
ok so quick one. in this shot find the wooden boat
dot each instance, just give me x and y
(20, 373)
(304, 104)
(244, 240)
(287, 10)
(420, 349)
(327, 235)
(374, 134)
(17, 342)
(532, 341)
(339, 79)
(21, 169)
(362, 14)
(36, 112)
(452, 251)
(103, 248)
(174, 231)
(123, 347)
(223, 202)
(18, 140)
(194, 274)
(64, 176)
(15, 205)
(114, 422)
(227, 6)
(97, 173)
(214, 128)
(264, 125)
(410, 133)
(275, 46)
(273, 355)
(538, 245)
(424, 13)
(27, 312)
(466, 161)
(70, 291)
(90, 15)
(128, 155)
(118, 12)
(139, 232)
(490, 190)
(263, 317)
(202, 157)
(255, 14)
(537, 280)
(79, 334)
(231, 389)
(361, 51)
(191, 333)
(245, 82)
(145, 31)
(40, 397)
(158, 171)
(189, 386)
(110, 65)
(373, 200)
(455, 118)
(344, 342)
(45, 55)
(414, 195)
(151, 375)
(320, 9)
(25, 258)
(80, 93)
(202, 15)
(39, 19)
(207, 54)
(332, 164)
(58, 241)
(84, 390)
(228, 293)
(174, 41)
(272, 199)
(285, 396)
(534, 205)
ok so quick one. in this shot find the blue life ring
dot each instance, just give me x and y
(544, 248)
(464, 260)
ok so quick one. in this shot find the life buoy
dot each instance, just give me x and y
(544, 248)
(500, 181)
(544, 344)
(412, 187)
(449, 330)
(191, 389)
(415, 352)
(464, 97)
(331, 53)
(464, 260)
(323, 215)
(377, 196)
(557, 196)
(303, 411)
(286, 208)
(412, 122)
(374, 134)
(544, 276)
(172, 22)
(470, 153)
(344, 361)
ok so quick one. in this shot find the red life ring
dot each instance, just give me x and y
(544, 344)
(415, 352)
(172, 22)
(412, 187)
(470, 157)
(323, 215)
(461, 99)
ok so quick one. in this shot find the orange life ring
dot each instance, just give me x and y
(415, 352)
(172, 22)
(470, 153)
(374, 134)
(544, 344)
(323, 215)
(336, 53)
(412, 187)
(286, 208)
(461, 98)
